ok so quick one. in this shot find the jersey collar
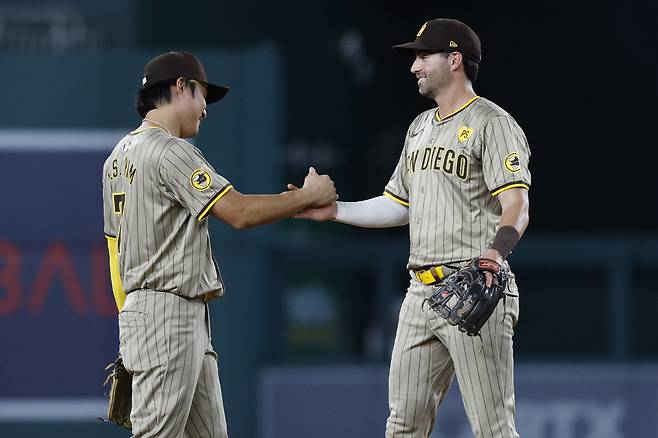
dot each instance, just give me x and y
(458, 110)
(139, 131)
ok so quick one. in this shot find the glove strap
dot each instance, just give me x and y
(487, 265)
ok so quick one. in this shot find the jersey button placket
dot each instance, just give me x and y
(430, 144)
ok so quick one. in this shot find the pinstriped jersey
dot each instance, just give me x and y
(450, 171)
(157, 192)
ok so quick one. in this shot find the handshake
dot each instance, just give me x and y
(322, 197)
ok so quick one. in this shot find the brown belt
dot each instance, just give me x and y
(209, 296)
(204, 297)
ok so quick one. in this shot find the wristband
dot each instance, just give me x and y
(506, 239)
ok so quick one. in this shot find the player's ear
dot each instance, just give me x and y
(181, 84)
(456, 59)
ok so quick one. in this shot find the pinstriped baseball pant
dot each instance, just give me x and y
(164, 341)
(428, 353)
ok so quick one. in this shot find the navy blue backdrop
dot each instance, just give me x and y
(57, 315)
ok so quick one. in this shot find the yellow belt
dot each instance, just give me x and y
(431, 275)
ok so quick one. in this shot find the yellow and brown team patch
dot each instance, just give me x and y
(512, 162)
(464, 133)
(201, 180)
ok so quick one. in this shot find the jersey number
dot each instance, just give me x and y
(119, 202)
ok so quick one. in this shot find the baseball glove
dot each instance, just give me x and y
(464, 300)
(120, 397)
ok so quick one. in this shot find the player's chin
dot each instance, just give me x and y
(424, 91)
(193, 131)
(196, 127)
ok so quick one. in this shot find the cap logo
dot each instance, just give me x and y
(422, 29)
(144, 80)
(453, 44)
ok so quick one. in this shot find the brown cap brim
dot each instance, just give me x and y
(215, 92)
(413, 46)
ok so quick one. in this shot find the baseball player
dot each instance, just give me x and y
(158, 191)
(461, 185)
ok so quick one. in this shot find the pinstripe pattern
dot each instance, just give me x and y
(162, 245)
(156, 189)
(165, 343)
(448, 182)
(449, 173)
(428, 353)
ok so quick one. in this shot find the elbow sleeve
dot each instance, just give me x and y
(379, 212)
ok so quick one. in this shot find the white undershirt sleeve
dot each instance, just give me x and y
(379, 212)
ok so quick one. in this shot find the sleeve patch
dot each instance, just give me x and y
(512, 162)
(200, 180)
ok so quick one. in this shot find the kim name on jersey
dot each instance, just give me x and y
(439, 159)
(127, 170)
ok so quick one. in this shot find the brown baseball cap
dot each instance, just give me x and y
(174, 65)
(445, 35)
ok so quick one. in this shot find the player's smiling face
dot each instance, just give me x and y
(432, 70)
(193, 110)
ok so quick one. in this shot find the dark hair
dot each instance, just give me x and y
(471, 68)
(150, 97)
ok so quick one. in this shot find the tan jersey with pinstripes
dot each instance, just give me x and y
(449, 174)
(157, 193)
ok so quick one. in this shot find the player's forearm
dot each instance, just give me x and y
(516, 214)
(379, 212)
(513, 222)
(255, 210)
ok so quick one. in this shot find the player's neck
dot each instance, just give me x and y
(451, 98)
(163, 119)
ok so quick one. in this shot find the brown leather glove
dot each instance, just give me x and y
(463, 299)
(120, 396)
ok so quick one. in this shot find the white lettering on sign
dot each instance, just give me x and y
(570, 419)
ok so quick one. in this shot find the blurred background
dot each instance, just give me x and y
(305, 330)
